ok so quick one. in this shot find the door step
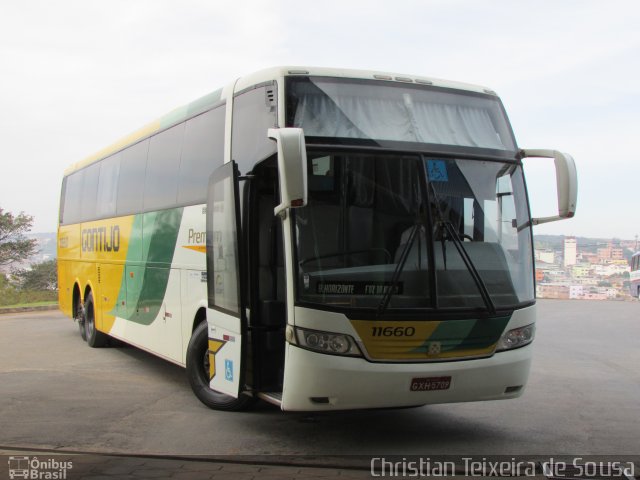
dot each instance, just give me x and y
(272, 397)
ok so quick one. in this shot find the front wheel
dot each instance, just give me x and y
(198, 374)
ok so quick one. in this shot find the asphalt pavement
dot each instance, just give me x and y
(58, 395)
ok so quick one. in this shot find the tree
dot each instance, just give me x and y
(14, 246)
(42, 276)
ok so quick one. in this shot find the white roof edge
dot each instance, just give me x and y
(280, 71)
(275, 73)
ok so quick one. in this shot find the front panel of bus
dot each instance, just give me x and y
(411, 264)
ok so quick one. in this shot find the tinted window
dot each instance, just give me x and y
(394, 111)
(202, 153)
(131, 184)
(73, 198)
(108, 186)
(161, 183)
(223, 266)
(89, 192)
(253, 113)
(63, 192)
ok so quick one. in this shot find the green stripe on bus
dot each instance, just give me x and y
(143, 287)
(469, 334)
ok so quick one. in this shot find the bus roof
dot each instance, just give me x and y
(206, 102)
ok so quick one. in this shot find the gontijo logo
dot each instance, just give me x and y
(32, 468)
(101, 239)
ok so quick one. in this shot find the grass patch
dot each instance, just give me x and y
(33, 304)
(10, 297)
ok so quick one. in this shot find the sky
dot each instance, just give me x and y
(77, 75)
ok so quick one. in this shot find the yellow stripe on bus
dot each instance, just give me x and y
(196, 248)
(214, 347)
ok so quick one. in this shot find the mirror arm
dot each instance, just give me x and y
(567, 184)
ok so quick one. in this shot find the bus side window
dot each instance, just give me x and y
(63, 192)
(108, 186)
(254, 112)
(89, 192)
(131, 182)
(73, 198)
(163, 162)
(202, 153)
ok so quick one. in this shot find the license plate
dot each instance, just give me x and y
(428, 384)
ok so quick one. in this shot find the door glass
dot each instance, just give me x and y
(223, 269)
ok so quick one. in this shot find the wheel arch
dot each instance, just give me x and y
(76, 298)
(199, 317)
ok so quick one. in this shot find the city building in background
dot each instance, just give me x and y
(582, 268)
(570, 250)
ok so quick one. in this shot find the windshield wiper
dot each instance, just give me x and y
(457, 242)
(384, 302)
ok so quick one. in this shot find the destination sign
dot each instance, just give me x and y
(357, 288)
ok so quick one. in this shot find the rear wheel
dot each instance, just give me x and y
(198, 374)
(80, 319)
(94, 338)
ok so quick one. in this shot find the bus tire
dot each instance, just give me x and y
(198, 374)
(80, 319)
(95, 338)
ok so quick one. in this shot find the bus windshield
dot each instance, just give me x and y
(414, 229)
(357, 111)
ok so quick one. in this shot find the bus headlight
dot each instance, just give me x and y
(324, 342)
(518, 337)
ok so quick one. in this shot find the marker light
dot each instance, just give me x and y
(518, 337)
(326, 342)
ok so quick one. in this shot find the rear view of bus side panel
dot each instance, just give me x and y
(68, 256)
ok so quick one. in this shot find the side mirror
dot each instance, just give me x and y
(567, 182)
(292, 167)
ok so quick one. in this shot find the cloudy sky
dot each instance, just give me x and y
(76, 75)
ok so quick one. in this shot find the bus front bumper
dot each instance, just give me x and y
(315, 381)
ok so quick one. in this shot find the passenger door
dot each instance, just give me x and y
(225, 266)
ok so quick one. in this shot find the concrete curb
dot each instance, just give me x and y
(40, 308)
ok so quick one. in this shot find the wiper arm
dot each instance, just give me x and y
(384, 302)
(457, 242)
(484, 293)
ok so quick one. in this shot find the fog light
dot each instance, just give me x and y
(514, 389)
(516, 338)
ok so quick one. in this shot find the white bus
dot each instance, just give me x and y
(321, 239)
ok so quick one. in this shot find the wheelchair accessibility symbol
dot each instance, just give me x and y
(437, 171)
(228, 370)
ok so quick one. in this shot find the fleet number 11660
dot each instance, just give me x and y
(393, 331)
